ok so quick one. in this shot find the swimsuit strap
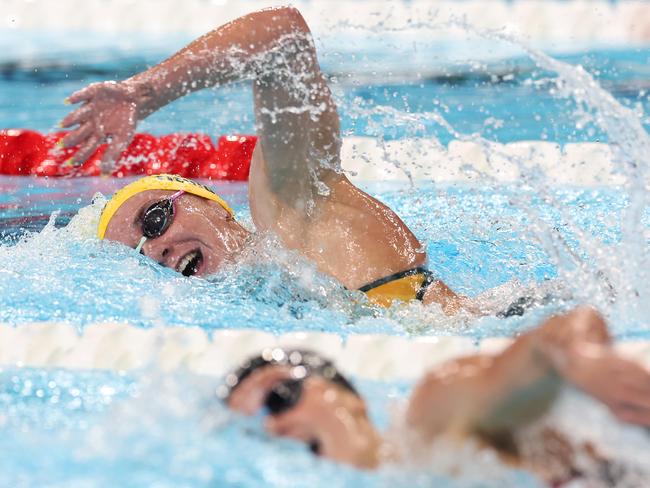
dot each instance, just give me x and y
(429, 278)
(420, 270)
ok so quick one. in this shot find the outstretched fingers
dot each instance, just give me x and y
(115, 148)
(79, 116)
(82, 95)
(85, 151)
(77, 136)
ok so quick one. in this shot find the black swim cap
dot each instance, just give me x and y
(303, 363)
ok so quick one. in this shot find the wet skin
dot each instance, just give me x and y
(296, 187)
(327, 416)
(483, 397)
(200, 228)
(345, 241)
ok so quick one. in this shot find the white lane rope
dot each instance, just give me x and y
(122, 347)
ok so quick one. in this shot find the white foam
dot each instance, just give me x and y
(584, 164)
(123, 347)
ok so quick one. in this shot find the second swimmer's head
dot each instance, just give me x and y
(177, 222)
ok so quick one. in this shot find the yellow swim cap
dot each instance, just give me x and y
(155, 182)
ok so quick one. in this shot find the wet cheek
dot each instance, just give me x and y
(212, 263)
(271, 426)
(194, 226)
(231, 243)
(121, 234)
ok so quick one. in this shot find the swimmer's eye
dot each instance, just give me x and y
(139, 216)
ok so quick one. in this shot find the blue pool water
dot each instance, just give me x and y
(106, 429)
(97, 429)
(476, 239)
(503, 98)
(94, 429)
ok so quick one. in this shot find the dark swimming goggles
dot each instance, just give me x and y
(287, 393)
(157, 218)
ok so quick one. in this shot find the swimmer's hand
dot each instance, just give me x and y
(579, 347)
(621, 384)
(109, 114)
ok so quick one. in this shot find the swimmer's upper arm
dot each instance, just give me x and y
(485, 395)
(297, 121)
(446, 399)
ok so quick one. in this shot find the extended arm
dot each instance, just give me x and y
(493, 396)
(297, 121)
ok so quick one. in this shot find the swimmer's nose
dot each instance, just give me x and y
(158, 252)
(163, 254)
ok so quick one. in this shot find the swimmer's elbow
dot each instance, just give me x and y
(282, 19)
(295, 19)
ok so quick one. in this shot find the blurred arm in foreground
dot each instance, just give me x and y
(485, 398)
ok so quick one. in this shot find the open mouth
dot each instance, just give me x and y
(190, 263)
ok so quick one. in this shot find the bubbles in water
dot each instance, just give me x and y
(66, 274)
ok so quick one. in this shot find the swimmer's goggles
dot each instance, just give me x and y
(157, 218)
(286, 394)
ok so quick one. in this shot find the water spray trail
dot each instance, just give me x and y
(630, 144)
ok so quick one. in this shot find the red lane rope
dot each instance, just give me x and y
(27, 152)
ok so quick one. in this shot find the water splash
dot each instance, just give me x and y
(630, 144)
(612, 277)
(608, 273)
(161, 431)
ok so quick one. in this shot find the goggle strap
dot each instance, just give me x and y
(176, 195)
(143, 239)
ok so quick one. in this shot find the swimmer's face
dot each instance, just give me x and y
(330, 419)
(201, 237)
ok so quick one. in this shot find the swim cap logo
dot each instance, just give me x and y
(180, 179)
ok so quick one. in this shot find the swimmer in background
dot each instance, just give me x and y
(297, 189)
(487, 399)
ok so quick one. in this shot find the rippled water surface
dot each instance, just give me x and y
(476, 239)
(536, 239)
(62, 428)
(95, 429)
(479, 86)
